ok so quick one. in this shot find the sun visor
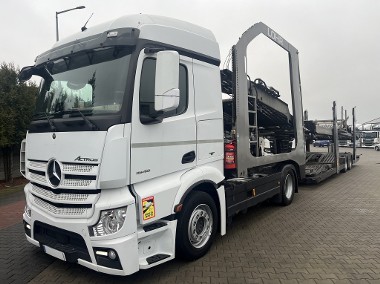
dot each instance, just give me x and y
(113, 37)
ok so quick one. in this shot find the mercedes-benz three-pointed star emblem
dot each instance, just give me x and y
(54, 173)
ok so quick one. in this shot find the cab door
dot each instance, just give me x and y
(169, 146)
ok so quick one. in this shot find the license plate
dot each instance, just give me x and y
(56, 253)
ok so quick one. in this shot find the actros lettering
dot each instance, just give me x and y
(273, 35)
(143, 172)
(82, 159)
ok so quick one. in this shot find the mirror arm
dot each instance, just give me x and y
(153, 50)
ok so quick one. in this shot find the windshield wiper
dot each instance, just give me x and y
(50, 120)
(90, 124)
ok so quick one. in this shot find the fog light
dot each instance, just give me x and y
(110, 222)
(112, 254)
(107, 257)
(27, 228)
(102, 253)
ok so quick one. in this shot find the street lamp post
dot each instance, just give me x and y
(61, 12)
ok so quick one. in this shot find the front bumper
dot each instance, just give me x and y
(123, 246)
(68, 238)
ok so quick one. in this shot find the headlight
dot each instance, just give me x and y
(110, 222)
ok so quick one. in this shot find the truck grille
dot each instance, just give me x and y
(37, 165)
(72, 197)
(73, 175)
(76, 182)
(58, 211)
(61, 197)
(74, 168)
(37, 177)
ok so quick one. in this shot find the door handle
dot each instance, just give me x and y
(188, 157)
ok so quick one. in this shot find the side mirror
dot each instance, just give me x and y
(26, 73)
(166, 96)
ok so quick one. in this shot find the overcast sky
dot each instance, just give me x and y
(338, 41)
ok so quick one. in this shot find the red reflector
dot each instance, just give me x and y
(178, 208)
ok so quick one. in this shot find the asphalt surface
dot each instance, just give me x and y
(329, 234)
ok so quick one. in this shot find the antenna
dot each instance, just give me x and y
(84, 27)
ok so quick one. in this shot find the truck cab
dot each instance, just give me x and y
(369, 138)
(115, 144)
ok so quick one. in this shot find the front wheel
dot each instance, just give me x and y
(196, 227)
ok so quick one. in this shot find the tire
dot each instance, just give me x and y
(287, 186)
(345, 165)
(197, 226)
(349, 163)
(377, 148)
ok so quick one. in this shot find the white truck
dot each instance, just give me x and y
(132, 157)
(369, 138)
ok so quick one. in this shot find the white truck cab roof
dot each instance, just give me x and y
(159, 29)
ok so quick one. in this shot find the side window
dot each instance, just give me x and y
(147, 82)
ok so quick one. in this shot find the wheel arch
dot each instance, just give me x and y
(208, 180)
(206, 186)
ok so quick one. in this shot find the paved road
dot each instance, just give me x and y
(330, 234)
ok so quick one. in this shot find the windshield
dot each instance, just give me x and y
(92, 82)
(369, 135)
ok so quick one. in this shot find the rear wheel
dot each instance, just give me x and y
(345, 168)
(349, 163)
(288, 185)
(197, 226)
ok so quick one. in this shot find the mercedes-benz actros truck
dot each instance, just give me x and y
(132, 155)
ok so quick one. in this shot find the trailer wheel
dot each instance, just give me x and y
(349, 163)
(345, 165)
(287, 186)
(196, 227)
